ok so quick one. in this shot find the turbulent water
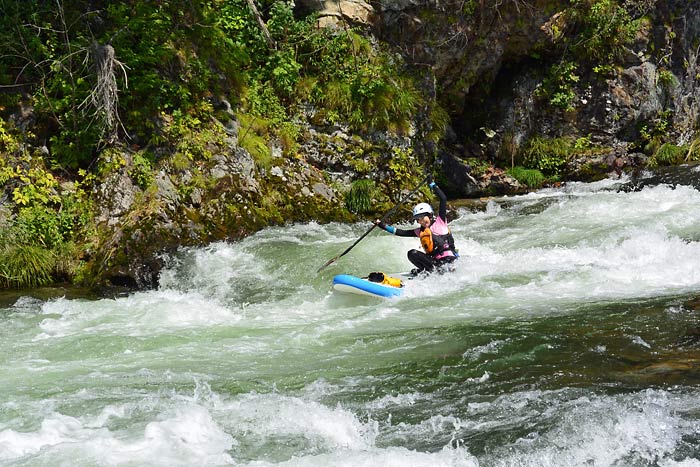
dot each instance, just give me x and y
(568, 335)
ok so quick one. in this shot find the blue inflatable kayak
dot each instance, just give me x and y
(357, 285)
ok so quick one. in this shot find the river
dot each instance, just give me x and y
(568, 335)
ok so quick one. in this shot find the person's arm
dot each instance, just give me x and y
(442, 212)
(395, 231)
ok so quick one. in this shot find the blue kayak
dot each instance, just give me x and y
(357, 285)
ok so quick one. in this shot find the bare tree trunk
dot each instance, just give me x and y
(263, 27)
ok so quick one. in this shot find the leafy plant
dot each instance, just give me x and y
(600, 29)
(548, 155)
(693, 150)
(142, 170)
(402, 166)
(667, 78)
(560, 86)
(478, 166)
(359, 199)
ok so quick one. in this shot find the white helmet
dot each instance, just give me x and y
(422, 209)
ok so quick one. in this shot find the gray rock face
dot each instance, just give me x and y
(115, 196)
(334, 13)
(488, 63)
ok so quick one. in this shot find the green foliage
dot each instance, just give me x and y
(668, 154)
(23, 265)
(693, 150)
(439, 122)
(655, 132)
(359, 199)
(40, 225)
(254, 137)
(583, 143)
(604, 69)
(288, 134)
(142, 169)
(469, 7)
(667, 79)
(48, 48)
(46, 217)
(169, 48)
(355, 83)
(532, 178)
(559, 87)
(9, 142)
(548, 155)
(601, 29)
(50, 226)
(178, 53)
(479, 167)
(67, 266)
(403, 166)
(189, 135)
(262, 102)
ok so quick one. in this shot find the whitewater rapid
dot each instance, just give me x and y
(557, 341)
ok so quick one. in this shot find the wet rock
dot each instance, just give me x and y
(167, 191)
(460, 183)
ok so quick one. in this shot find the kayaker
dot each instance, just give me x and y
(435, 237)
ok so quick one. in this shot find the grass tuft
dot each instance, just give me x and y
(24, 266)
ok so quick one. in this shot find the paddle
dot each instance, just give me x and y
(384, 218)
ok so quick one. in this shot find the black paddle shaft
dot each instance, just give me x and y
(384, 218)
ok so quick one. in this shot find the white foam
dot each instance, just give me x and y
(138, 314)
(271, 416)
(633, 429)
(388, 457)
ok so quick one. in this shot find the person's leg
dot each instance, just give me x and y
(446, 264)
(421, 261)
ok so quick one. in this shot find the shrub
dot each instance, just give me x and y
(532, 178)
(601, 29)
(559, 86)
(548, 155)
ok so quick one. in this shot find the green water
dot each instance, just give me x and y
(568, 335)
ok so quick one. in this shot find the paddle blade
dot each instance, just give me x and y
(330, 261)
